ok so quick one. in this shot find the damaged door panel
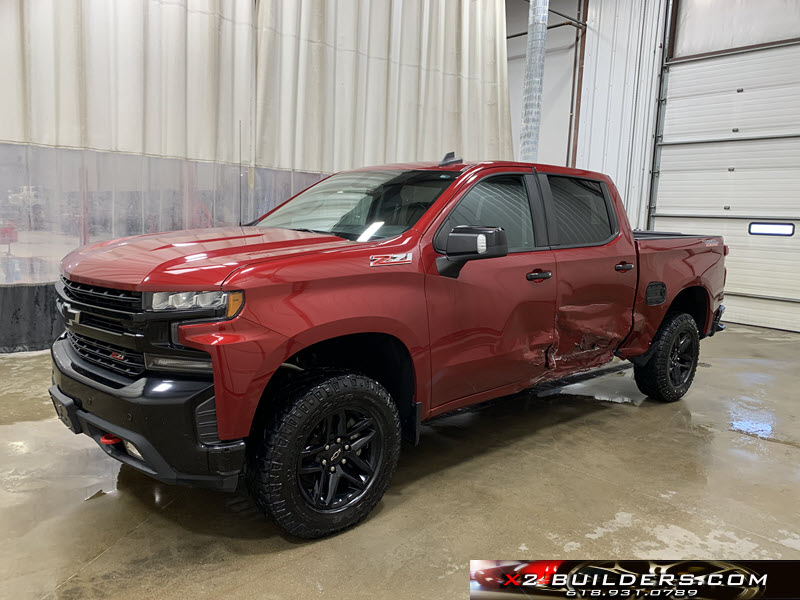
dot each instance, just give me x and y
(596, 259)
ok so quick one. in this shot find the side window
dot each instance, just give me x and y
(581, 213)
(500, 201)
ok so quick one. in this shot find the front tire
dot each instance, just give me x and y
(669, 373)
(327, 457)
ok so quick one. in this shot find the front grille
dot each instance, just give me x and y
(114, 358)
(104, 297)
(104, 323)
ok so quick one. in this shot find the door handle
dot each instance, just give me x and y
(538, 276)
(623, 266)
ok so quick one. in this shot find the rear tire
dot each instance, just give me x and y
(669, 373)
(347, 420)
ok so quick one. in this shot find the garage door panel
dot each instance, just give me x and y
(758, 177)
(774, 154)
(729, 193)
(756, 94)
(762, 112)
(728, 155)
(762, 312)
(757, 70)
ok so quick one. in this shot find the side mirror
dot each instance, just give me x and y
(466, 243)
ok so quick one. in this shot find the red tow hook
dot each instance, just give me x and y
(109, 440)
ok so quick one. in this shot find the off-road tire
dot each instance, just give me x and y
(271, 473)
(653, 378)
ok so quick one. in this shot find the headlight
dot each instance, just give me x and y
(230, 301)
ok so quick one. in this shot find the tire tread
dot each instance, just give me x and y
(263, 475)
(652, 378)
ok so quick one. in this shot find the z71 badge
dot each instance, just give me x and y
(381, 260)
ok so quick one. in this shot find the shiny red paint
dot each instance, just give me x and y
(543, 570)
(487, 333)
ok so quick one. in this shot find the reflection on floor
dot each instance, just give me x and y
(594, 472)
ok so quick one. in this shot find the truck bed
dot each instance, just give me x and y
(672, 263)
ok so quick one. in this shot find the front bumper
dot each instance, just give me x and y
(165, 417)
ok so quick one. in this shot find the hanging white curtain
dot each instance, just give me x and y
(160, 77)
(344, 83)
(338, 83)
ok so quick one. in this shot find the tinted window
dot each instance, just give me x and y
(498, 202)
(581, 213)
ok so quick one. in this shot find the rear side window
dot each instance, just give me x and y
(500, 201)
(581, 212)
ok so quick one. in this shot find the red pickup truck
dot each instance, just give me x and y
(296, 351)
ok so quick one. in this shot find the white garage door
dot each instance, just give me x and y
(728, 162)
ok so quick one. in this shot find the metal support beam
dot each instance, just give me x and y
(576, 23)
(660, 115)
(568, 18)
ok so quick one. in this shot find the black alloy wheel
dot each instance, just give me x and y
(675, 351)
(681, 359)
(340, 458)
(324, 459)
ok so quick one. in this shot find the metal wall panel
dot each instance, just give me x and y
(619, 96)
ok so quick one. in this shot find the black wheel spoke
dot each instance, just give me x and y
(341, 426)
(327, 428)
(309, 469)
(359, 427)
(354, 480)
(362, 464)
(317, 492)
(311, 451)
(333, 485)
(362, 441)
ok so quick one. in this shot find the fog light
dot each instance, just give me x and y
(177, 364)
(132, 450)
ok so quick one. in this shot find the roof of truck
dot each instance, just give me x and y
(488, 164)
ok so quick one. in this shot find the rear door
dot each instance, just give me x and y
(492, 325)
(596, 264)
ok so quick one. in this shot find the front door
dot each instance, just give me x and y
(492, 325)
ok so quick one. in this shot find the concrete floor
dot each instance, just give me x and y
(595, 472)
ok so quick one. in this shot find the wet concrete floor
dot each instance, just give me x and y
(594, 472)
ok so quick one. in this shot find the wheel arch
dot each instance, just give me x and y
(696, 302)
(381, 356)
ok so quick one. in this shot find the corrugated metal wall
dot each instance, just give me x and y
(619, 96)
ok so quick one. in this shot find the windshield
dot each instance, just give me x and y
(362, 205)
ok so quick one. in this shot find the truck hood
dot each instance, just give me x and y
(187, 260)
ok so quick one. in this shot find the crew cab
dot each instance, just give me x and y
(295, 352)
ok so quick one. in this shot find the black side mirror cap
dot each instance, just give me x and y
(467, 242)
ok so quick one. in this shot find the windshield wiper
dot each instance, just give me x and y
(307, 230)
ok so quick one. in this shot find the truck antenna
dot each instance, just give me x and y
(449, 159)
